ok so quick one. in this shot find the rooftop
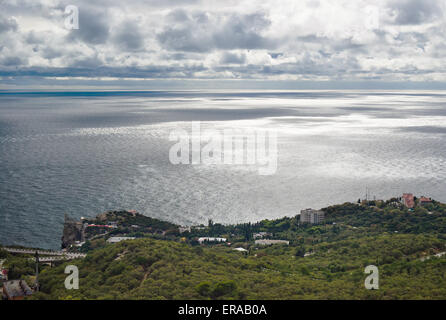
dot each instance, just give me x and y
(211, 239)
(268, 241)
(119, 239)
(16, 288)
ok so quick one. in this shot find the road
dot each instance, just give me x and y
(62, 255)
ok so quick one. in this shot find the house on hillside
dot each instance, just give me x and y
(133, 212)
(16, 290)
(408, 200)
(184, 229)
(425, 201)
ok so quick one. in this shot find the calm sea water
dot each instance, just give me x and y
(86, 152)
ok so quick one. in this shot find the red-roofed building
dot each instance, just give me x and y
(425, 201)
(133, 212)
(408, 200)
(3, 275)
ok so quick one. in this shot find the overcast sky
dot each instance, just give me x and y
(292, 41)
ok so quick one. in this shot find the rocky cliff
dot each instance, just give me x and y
(72, 232)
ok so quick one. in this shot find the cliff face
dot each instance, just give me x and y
(72, 232)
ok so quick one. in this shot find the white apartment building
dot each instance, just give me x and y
(119, 239)
(267, 242)
(211, 239)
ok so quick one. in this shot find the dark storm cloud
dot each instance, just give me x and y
(412, 12)
(15, 8)
(308, 67)
(93, 26)
(50, 53)
(233, 58)
(7, 24)
(83, 68)
(90, 62)
(333, 44)
(275, 55)
(119, 3)
(179, 56)
(184, 39)
(243, 32)
(178, 16)
(33, 38)
(128, 36)
(185, 32)
(170, 3)
(200, 33)
(13, 61)
(417, 39)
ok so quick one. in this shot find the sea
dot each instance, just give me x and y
(83, 153)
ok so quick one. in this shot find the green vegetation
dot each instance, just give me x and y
(324, 261)
(19, 267)
(157, 269)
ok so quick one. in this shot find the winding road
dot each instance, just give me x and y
(55, 255)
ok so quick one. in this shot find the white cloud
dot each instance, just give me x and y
(285, 39)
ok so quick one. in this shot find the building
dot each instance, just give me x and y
(267, 242)
(3, 272)
(3, 275)
(211, 239)
(79, 244)
(16, 290)
(312, 216)
(260, 235)
(113, 224)
(101, 226)
(184, 229)
(425, 201)
(408, 200)
(119, 239)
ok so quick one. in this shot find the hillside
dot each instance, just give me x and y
(323, 261)
(157, 269)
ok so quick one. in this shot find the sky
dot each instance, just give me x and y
(240, 44)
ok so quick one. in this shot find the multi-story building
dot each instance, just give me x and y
(312, 216)
(408, 200)
(211, 239)
(267, 242)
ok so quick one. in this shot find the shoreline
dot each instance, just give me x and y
(74, 231)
